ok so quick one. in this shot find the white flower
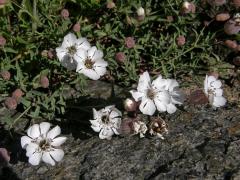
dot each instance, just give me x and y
(66, 53)
(140, 128)
(42, 144)
(152, 95)
(212, 89)
(91, 63)
(140, 12)
(176, 96)
(107, 121)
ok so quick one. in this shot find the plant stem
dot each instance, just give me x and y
(34, 24)
(21, 115)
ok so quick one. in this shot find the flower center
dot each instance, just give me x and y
(72, 50)
(44, 144)
(151, 94)
(88, 63)
(105, 119)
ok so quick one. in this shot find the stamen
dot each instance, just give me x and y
(72, 50)
(151, 94)
(88, 63)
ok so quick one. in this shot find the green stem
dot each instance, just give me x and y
(21, 115)
(34, 24)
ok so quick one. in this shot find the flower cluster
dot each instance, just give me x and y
(77, 54)
(214, 92)
(42, 144)
(161, 94)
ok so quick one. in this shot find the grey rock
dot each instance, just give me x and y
(202, 144)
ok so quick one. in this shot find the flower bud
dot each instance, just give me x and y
(236, 61)
(5, 75)
(2, 41)
(188, 7)
(76, 27)
(65, 14)
(129, 42)
(231, 44)
(181, 40)
(50, 53)
(17, 94)
(231, 27)
(140, 11)
(130, 105)
(110, 5)
(236, 3)
(120, 57)
(222, 17)
(10, 103)
(2, 2)
(44, 82)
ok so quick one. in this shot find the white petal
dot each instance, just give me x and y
(210, 79)
(54, 132)
(97, 55)
(91, 52)
(96, 128)
(95, 114)
(35, 158)
(219, 101)
(159, 83)
(163, 96)
(31, 148)
(171, 108)
(96, 125)
(58, 141)
(136, 95)
(115, 114)
(218, 92)
(108, 108)
(147, 107)
(61, 52)
(69, 40)
(90, 73)
(116, 131)
(34, 131)
(206, 85)
(216, 84)
(82, 43)
(44, 127)
(144, 82)
(48, 159)
(57, 154)
(161, 106)
(100, 70)
(171, 84)
(80, 55)
(25, 140)
(100, 63)
(106, 133)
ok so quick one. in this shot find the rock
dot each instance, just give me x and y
(201, 144)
